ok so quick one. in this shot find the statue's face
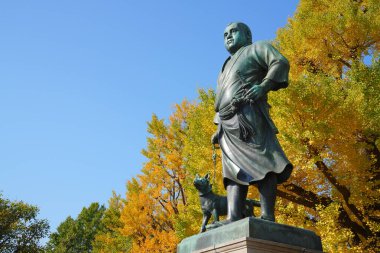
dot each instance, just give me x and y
(234, 38)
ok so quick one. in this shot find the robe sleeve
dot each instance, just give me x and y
(275, 64)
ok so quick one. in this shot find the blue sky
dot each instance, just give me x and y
(79, 80)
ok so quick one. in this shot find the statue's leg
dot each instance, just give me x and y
(236, 195)
(268, 188)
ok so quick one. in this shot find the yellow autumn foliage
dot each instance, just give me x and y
(328, 119)
(326, 36)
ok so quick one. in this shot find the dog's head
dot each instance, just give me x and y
(202, 183)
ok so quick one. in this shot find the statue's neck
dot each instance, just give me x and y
(233, 53)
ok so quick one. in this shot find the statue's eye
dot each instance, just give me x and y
(225, 35)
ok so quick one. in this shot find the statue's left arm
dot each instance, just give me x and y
(276, 67)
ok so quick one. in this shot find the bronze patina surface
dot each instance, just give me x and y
(251, 153)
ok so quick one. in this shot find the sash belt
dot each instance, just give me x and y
(227, 112)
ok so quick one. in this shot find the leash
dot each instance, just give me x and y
(214, 161)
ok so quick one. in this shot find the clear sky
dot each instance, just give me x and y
(79, 80)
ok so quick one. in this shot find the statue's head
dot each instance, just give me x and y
(237, 35)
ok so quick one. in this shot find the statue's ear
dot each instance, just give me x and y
(207, 176)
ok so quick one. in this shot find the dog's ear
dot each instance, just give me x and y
(207, 176)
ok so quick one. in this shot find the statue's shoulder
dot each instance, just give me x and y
(261, 44)
(261, 48)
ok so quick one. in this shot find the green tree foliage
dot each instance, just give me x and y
(20, 230)
(77, 235)
(110, 239)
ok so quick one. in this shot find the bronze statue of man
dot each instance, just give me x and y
(251, 153)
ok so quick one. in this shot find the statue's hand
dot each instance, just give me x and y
(215, 138)
(255, 92)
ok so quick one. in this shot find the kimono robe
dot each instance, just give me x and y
(246, 133)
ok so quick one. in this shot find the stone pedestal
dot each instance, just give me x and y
(252, 235)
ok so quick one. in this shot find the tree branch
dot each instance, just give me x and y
(309, 195)
(345, 193)
(296, 199)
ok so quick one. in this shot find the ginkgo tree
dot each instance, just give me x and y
(328, 36)
(153, 199)
(329, 120)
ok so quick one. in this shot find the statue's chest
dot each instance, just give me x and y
(244, 68)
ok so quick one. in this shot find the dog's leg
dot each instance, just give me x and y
(206, 218)
(215, 214)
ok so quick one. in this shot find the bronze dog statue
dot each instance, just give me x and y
(216, 205)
